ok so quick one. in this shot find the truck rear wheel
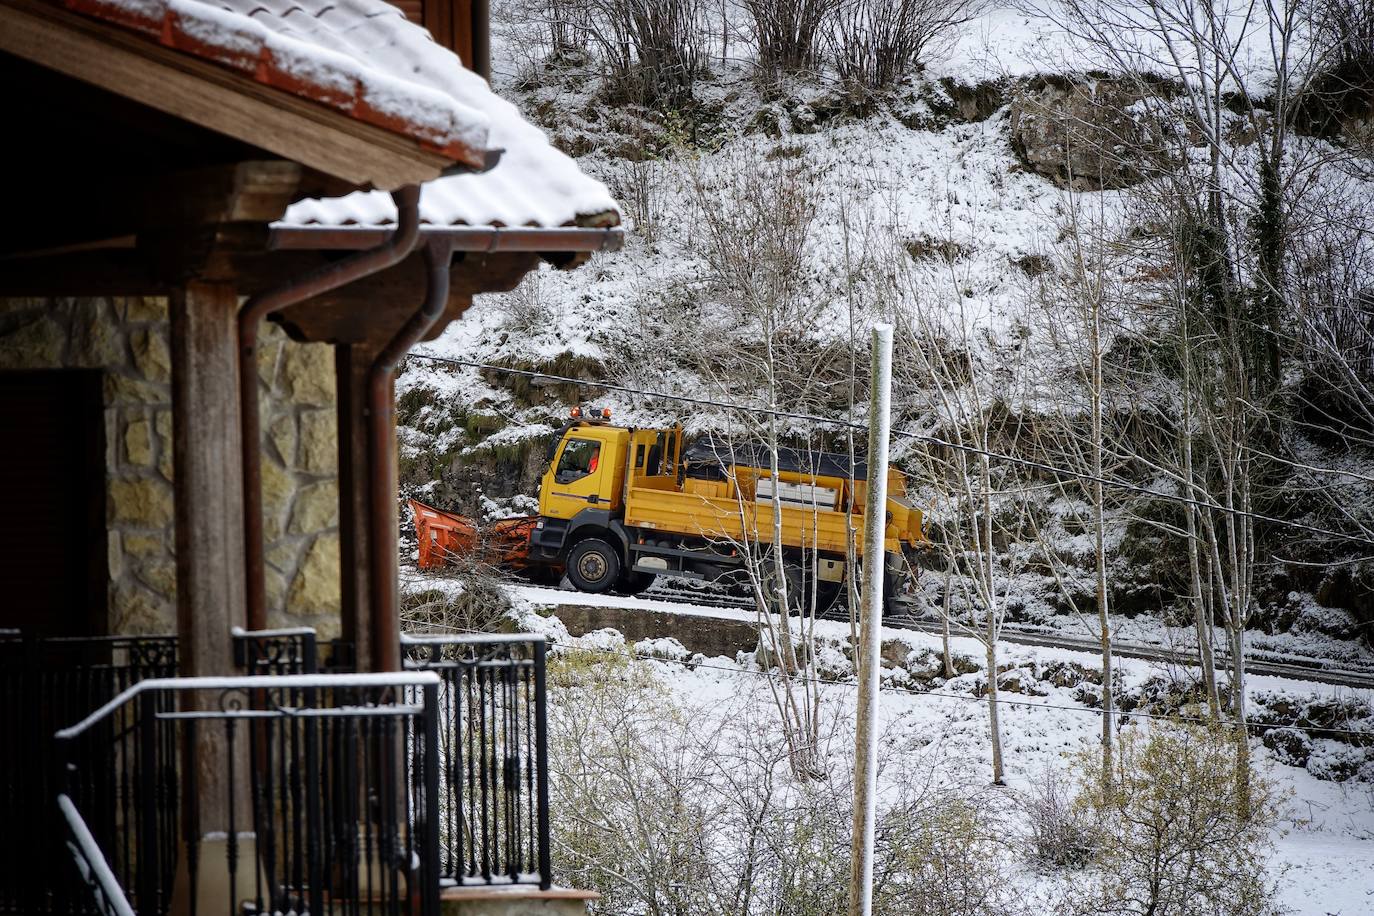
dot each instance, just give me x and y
(593, 566)
(799, 586)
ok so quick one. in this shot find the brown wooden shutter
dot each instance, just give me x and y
(411, 8)
(462, 26)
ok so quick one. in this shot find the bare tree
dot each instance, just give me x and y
(877, 43)
(982, 512)
(761, 346)
(1083, 297)
(788, 33)
(1222, 250)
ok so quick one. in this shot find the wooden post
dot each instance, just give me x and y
(207, 482)
(352, 363)
(207, 488)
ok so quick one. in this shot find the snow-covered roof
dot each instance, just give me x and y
(365, 59)
(359, 57)
(533, 185)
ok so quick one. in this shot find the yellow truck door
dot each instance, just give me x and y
(586, 472)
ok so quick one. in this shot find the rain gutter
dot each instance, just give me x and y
(386, 248)
(461, 238)
(386, 628)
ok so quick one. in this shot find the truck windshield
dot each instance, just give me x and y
(579, 458)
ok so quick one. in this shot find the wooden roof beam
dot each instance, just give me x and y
(84, 209)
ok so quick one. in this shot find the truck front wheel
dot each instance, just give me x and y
(593, 566)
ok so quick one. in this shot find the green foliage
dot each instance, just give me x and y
(940, 856)
(528, 391)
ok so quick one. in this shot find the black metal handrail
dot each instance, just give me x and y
(292, 650)
(46, 683)
(295, 795)
(494, 797)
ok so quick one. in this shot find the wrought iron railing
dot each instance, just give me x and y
(286, 651)
(297, 795)
(493, 734)
(46, 683)
(317, 792)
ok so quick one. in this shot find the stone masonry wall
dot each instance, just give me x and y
(128, 339)
(300, 483)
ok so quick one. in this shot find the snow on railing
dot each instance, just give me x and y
(250, 682)
(90, 863)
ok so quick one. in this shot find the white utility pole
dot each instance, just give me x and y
(871, 626)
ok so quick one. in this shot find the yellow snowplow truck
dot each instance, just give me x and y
(620, 506)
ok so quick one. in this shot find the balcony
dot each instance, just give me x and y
(293, 787)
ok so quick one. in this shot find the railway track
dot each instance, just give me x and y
(1294, 668)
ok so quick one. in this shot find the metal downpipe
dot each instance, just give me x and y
(382, 521)
(313, 283)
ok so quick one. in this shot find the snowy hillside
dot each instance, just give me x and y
(1149, 221)
(922, 209)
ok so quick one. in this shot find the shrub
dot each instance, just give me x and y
(475, 600)
(1061, 834)
(788, 33)
(652, 49)
(665, 809)
(1174, 841)
(940, 855)
(878, 43)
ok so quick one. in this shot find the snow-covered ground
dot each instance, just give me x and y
(1323, 855)
(1324, 849)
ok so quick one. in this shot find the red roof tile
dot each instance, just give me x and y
(359, 57)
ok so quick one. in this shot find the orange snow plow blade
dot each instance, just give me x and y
(445, 537)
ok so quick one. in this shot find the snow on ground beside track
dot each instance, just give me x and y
(1324, 848)
(1136, 670)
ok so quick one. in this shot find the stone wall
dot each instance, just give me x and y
(128, 339)
(300, 483)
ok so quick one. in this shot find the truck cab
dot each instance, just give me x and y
(587, 469)
(582, 497)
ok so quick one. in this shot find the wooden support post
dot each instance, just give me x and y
(209, 527)
(352, 363)
(207, 487)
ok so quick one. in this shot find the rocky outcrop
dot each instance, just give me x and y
(1087, 133)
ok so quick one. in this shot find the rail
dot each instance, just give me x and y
(292, 650)
(494, 798)
(267, 794)
(104, 888)
(46, 683)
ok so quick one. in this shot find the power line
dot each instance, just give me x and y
(909, 691)
(921, 437)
